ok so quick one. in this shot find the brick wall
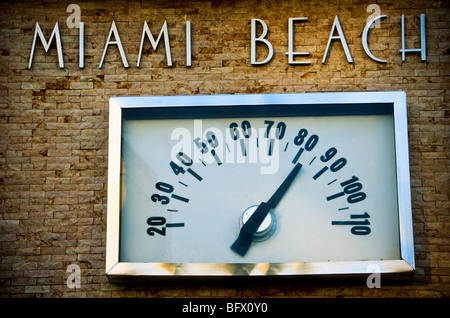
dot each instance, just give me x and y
(54, 125)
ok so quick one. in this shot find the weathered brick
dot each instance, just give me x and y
(37, 289)
(54, 123)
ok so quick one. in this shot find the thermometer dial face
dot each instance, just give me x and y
(293, 183)
(185, 194)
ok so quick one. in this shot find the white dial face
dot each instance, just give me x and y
(186, 183)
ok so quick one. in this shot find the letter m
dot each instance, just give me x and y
(146, 32)
(55, 34)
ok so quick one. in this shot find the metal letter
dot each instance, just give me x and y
(423, 44)
(117, 42)
(188, 44)
(262, 39)
(81, 46)
(291, 52)
(46, 44)
(165, 31)
(74, 21)
(341, 37)
(366, 35)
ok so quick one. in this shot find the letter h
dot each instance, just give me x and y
(423, 49)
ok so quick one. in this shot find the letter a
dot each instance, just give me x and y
(118, 42)
(146, 32)
(341, 37)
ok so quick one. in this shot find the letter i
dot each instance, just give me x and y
(188, 44)
(81, 45)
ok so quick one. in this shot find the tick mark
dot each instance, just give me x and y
(182, 183)
(243, 149)
(285, 148)
(175, 224)
(312, 160)
(172, 210)
(332, 181)
(270, 146)
(346, 208)
(318, 174)
(183, 199)
(297, 156)
(196, 176)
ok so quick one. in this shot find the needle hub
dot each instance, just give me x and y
(267, 227)
(248, 230)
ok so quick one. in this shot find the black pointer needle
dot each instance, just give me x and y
(244, 240)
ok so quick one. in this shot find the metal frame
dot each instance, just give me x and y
(120, 271)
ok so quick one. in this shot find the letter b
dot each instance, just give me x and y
(261, 39)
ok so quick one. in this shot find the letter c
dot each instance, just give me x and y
(365, 37)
